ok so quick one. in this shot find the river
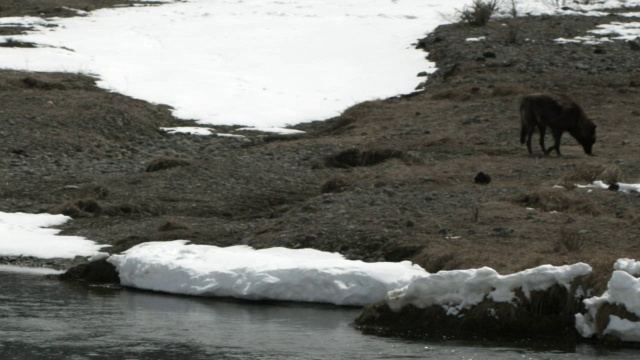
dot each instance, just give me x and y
(43, 318)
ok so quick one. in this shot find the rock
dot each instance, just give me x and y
(482, 178)
(582, 66)
(634, 44)
(535, 316)
(96, 272)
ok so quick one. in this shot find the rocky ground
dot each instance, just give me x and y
(387, 180)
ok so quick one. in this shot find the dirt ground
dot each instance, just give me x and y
(388, 180)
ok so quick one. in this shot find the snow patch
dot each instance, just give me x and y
(189, 130)
(267, 274)
(29, 235)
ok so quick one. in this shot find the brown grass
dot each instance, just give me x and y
(457, 94)
(510, 90)
(334, 185)
(173, 224)
(569, 241)
(606, 310)
(166, 162)
(559, 200)
(78, 208)
(96, 191)
(437, 262)
(355, 157)
(588, 173)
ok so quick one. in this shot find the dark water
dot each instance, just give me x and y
(42, 318)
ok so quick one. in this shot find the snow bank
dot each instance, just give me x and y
(268, 274)
(462, 289)
(620, 186)
(27, 235)
(623, 289)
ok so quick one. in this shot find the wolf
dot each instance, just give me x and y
(559, 113)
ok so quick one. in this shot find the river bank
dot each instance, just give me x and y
(388, 180)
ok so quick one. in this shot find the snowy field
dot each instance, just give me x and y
(251, 62)
(267, 64)
(255, 62)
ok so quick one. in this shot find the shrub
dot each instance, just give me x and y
(479, 12)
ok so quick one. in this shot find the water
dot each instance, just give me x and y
(42, 318)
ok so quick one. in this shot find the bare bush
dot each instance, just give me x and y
(479, 12)
(569, 241)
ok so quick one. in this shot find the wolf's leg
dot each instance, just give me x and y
(527, 127)
(542, 130)
(557, 134)
(529, 134)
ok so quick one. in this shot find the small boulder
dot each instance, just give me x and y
(482, 178)
(95, 272)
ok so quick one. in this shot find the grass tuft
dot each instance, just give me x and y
(166, 162)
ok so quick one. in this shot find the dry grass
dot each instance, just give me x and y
(606, 310)
(96, 191)
(569, 241)
(355, 157)
(561, 201)
(510, 90)
(166, 162)
(334, 185)
(78, 208)
(437, 262)
(588, 173)
(457, 94)
(173, 224)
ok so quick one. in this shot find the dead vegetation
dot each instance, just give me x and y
(560, 200)
(585, 173)
(356, 157)
(570, 241)
(78, 208)
(173, 224)
(166, 162)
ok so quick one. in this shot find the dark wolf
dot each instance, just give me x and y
(559, 113)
